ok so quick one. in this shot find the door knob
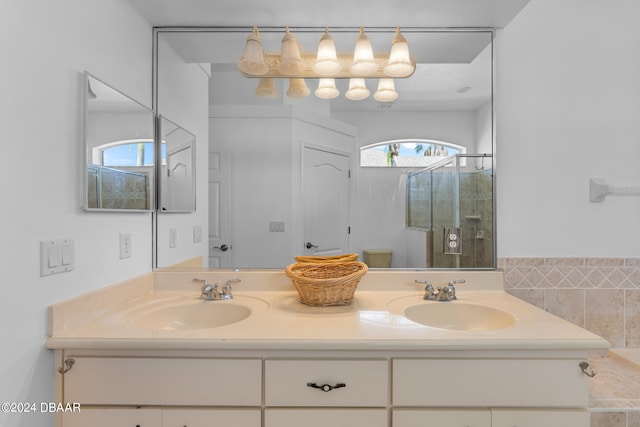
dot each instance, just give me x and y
(310, 245)
(223, 248)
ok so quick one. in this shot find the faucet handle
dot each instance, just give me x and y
(428, 289)
(226, 288)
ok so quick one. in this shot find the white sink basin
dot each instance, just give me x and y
(454, 315)
(192, 314)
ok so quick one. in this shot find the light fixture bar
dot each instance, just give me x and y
(273, 60)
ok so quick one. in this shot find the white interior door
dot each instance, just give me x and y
(220, 247)
(178, 195)
(325, 202)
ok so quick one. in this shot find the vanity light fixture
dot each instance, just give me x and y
(357, 89)
(386, 91)
(267, 88)
(297, 88)
(291, 63)
(326, 65)
(252, 61)
(363, 62)
(327, 88)
(326, 60)
(400, 62)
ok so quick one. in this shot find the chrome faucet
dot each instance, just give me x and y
(207, 291)
(445, 293)
(211, 293)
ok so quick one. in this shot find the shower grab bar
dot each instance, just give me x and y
(599, 189)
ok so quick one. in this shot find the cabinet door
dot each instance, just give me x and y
(211, 417)
(441, 418)
(325, 417)
(113, 418)
(537, 418)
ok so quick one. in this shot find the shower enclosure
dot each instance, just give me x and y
(452, 203)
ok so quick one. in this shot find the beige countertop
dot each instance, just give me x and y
(105, 319)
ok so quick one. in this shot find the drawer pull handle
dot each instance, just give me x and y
(584, 366)
(326, 387)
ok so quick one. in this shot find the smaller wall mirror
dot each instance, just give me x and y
(177, 167)
(119, 148)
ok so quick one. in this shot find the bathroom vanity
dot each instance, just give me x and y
(135, 354)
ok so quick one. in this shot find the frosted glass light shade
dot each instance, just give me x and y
(400, 64)
(252, 61)
(291, 63)
(326, 60)
(363, 62)
(357, 89)
(386, 91)
(297, 88)
(327, 89)
(267, 88)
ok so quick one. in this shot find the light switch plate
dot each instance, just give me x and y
(56, 256)
(197, 233)
(173, 237)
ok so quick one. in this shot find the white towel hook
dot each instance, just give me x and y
(599, 189)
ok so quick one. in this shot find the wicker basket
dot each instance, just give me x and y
(335, 258)
(325, 284)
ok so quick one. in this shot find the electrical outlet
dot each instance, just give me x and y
(125, 245)
(452, 241)
(173, 237)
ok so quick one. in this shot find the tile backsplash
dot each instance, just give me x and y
(601, 295)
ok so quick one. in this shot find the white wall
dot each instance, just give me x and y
(568, 110)
(183, 98)
(46, 46)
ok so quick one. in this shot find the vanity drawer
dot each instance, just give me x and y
(163, 381)
(325, 417)
(489, 382)
(458, 417)
(366, 382)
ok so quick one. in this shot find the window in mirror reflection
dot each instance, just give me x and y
(407, 153)
(127, 153)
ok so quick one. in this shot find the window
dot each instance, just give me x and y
(129, 153)
(417, 153)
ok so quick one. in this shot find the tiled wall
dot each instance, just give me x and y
(601, 295)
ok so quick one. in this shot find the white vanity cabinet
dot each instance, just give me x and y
(255, 388)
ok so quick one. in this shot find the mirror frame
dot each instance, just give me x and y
(152, 186)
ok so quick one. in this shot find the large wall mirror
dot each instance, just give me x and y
(119, 144)
(285, 170)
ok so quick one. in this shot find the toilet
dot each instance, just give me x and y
(377, 258)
